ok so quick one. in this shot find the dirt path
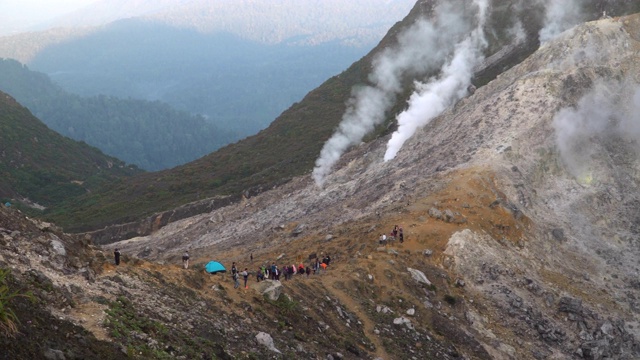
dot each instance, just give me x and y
(353, 306)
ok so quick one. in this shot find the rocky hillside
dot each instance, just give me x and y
(291, 144)
(519, 210)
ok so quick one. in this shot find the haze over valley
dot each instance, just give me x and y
(237, 65)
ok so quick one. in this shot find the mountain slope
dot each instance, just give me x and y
(518, 203)
(291, 144)
(41, 166)
(150, 135)
(519, 211)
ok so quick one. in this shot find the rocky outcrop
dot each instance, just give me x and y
(113, 233)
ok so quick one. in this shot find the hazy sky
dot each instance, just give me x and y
(21, 14)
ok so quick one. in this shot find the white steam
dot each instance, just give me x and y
(560, 15)
(421, 48)
(606, 111)
(430, 99)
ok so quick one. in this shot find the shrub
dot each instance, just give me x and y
(8, 320)
(450, 299)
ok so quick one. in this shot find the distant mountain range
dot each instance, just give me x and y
(239, 64)
(311, 22)
(151, 135)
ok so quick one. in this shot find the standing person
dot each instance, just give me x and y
(234, 268)
(401, 235)
(245, 275)
(383, 239)
(185, 259)
(251, 257)
(273, 271)
(116, 255)
(328, 259)
(260, 275)
(276, 273)
(234, 272)
(395, 231)
(308, 271)
(236, 282)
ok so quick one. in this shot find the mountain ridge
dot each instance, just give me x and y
(40, 167)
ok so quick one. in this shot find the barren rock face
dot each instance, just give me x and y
(541, 164)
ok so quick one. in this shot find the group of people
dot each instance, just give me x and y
(273, 272)
(264, 272)
(236, 276)
(396, 233)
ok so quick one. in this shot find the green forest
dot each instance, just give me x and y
(151, 135)
(41, 166)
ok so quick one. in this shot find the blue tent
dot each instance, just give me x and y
(213, 267)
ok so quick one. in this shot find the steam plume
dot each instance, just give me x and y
(430, 99)
(423, 47)
(560, 15)
(605, 111)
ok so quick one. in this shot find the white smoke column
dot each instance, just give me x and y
(560, 15)
(609, 109)
(429, 100)
(575, 127)
(423, 47)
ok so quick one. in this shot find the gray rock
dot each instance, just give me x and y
(403, 321)
(558, 234)
(419, 276)
(144, 253)
(266, 340)
(570, 305)
(52, 354)
(58, 248)
(449, 216)
(298, 230)
(435, 213)
(270, 288)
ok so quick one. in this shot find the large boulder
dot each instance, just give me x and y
(270, 288)
(267, 341)
(419, 276)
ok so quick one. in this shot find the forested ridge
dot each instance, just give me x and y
(151, 135)
(39, 166)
